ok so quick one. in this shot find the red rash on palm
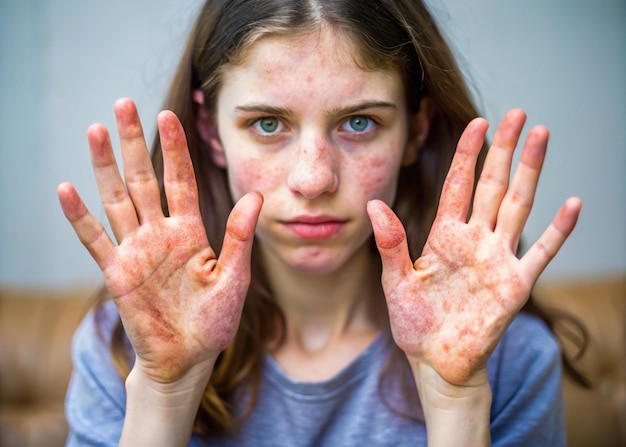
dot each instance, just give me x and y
(179, 304)
(450, 308)
(459, 302)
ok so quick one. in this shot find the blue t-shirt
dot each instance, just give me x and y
(346, 410)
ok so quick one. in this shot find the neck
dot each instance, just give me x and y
(323, 309)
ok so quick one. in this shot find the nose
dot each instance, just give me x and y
(313, 171)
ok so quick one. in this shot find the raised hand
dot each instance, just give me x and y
(449, 309)
(179, 304)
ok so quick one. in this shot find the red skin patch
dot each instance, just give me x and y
(450, 308)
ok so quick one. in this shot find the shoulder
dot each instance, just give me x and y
(530, 338)
(525, 376)
(527, 349)
(90, 344)
(96, 398)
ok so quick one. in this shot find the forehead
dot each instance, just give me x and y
(324, 59)
(320, 36)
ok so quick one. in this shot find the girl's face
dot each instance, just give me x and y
(318, 136)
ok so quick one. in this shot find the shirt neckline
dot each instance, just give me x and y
(353, 372)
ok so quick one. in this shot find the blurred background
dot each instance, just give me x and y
(64, 62)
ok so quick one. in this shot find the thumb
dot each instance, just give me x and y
(237, 246)
(390, 239)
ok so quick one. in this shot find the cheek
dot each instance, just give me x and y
(249, 175)
(377, 176)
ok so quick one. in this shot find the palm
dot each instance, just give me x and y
(463, 296)
(450, 308)
(179, 304)
(161, 281)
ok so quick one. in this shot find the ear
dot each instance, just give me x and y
(419, 128)
(207, 129)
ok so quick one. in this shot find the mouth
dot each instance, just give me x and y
(315, 227)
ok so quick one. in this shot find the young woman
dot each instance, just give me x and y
(244, 301)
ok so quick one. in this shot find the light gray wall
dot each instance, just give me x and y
(64, 62)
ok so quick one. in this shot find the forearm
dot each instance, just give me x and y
(455, 415)
(163, 414)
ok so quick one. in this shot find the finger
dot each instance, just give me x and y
(520, 196)
(141, 181)
(179, 179)
(118, 206)
(390, 239)
(237, 247)
(459, 183)
(494, 178)
(550, 242)
(88, 229)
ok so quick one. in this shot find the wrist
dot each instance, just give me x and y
(439, 389)
(464, 407)
(191, 382)
(163, 413)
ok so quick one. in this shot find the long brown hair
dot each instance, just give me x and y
(388, 33)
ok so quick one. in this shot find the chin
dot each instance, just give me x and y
(323, 261)
(315, 265)
(315, 269)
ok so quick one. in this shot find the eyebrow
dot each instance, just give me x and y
(263, 108)
(360, 107)
(340, 111)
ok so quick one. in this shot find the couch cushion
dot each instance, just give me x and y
(36, 329)
(597, 415)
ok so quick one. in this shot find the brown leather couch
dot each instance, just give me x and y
(36, 329)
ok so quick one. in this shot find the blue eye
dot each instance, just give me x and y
(268, 124)
(358, 124)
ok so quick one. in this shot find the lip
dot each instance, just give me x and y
(315, 227)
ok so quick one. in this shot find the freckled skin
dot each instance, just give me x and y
(312, 167)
